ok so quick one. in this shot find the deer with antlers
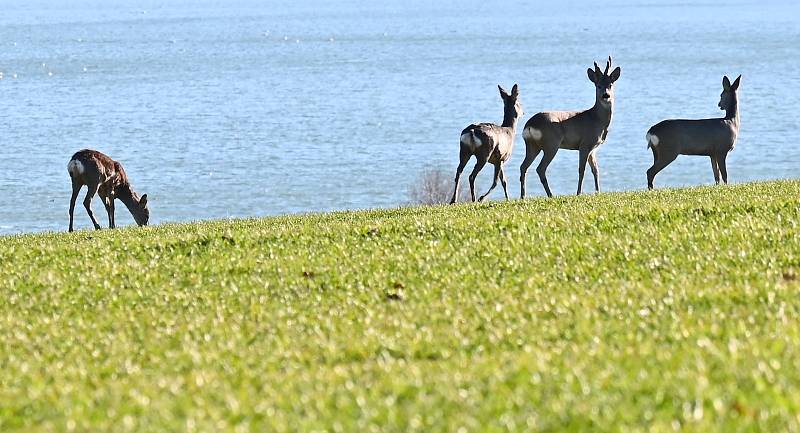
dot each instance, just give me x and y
(584, 131)
(490, 143)
(706, 137)
(105, 177)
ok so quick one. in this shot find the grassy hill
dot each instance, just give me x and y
(644, 311)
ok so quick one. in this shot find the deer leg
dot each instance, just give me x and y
(541, 169)
(595, 170)
(659, 165)
(113, 217)
(76, 188)
(503, 180)
(463, 158)
(109, 203)
(478, 166)
(723, 169)
(494, 182)
(715, 167)
(108, 209)
(87, 203)
(655, 159)
(583, 157)
(531, 152)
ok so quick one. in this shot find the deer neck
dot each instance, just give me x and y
(126, 195)
(510, 120)
(602, 112)
(732, 112)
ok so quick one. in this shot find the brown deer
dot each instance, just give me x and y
(490, 143)
(106, 177)
(706, 137)
(583, 131)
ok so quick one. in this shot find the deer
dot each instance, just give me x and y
(491, 143)
(106, 177)
(584, 131)
(714, 138)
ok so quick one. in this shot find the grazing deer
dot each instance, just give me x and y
(490, 143)
(706, 137)
(583, 131)
(106, 177)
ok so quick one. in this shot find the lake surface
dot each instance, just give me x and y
(238, 108)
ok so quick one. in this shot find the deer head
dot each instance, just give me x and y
(604, 82)
(727, 99)
(142, 213)
(135, 204)
(511, 105)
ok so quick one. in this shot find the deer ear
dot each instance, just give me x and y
(503, 92)
(615, 74)
(735, 85)
(515, 90)
(592, 76)
(726, 83)
(143, 200)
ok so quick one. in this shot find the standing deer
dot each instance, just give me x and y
(490, 143)
(106, 177)
(583, 131)
(706, 137)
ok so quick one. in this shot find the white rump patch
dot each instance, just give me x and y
(75, 167)
(652, 140)
(471, 141)
(532, 134)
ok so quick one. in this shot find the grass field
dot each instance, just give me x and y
(673, 310)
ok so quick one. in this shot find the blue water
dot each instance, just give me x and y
(236, 108)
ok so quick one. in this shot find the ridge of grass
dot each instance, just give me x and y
(670, 310)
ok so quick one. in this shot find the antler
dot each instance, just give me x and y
(596, 69)
(608, 66)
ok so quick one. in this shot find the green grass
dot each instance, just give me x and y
(673, 310)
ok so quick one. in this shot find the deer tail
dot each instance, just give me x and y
(652, 140)
(74, 168)
(471, 139)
